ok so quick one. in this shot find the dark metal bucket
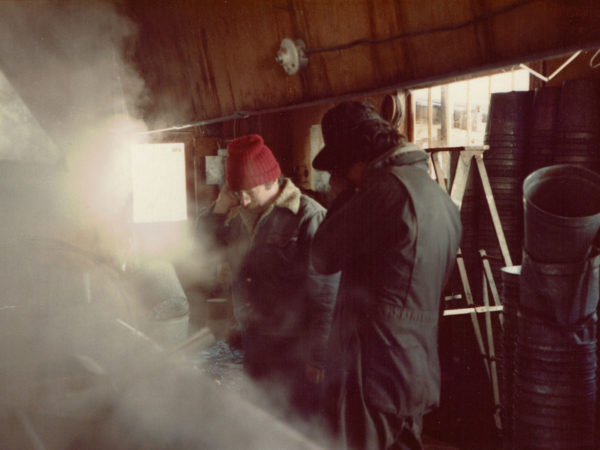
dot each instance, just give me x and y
(509, 114)
(565, 294)
(579, 108)
(561, 213)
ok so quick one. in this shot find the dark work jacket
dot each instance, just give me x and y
(395, 241)
(279, 299)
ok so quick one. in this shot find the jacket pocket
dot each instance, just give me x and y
(397, 375)
(284, 247)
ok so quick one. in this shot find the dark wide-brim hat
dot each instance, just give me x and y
(341, 128)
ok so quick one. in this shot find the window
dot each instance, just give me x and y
(455, 114)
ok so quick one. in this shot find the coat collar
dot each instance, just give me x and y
(288, 198)
(407, 154)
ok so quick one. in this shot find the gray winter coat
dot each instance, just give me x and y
(395, 241)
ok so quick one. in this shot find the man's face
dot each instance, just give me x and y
(338, 182)
(258, 197)
(350, 177)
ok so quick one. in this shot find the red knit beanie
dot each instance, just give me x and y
(249, 163)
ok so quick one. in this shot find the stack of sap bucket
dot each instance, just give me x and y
(506, 134)
(543, 130)
(550, 360)
(578, 134)
(564, 125)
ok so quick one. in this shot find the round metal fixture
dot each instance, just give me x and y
(291, 55)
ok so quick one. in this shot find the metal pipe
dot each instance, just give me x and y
(405, 84)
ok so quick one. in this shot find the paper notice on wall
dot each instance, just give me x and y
(158, 182)
(215, 168)
(319, 179)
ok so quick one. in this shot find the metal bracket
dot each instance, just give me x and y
(556, 72)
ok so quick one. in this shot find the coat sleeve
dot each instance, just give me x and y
(218, 227)
(321, 295)
(226, 235)
(364, 224)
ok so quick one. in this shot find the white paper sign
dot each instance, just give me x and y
(158, 179)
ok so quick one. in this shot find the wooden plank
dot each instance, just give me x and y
(487, 189)
(462, 270)
(472, 309)
(208, 59)
(491, 352)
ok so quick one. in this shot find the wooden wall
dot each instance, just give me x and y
(209, 59)
(286, 133)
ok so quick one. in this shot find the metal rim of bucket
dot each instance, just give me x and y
(534, 398)
(566, 171)
(554, 411)
(555, 378)
(559, 369)
(560, 422)
(562, 268)
(530, 400)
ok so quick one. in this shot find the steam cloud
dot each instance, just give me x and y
(71, 376)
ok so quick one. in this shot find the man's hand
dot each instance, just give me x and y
(225, 201)
(314, 374)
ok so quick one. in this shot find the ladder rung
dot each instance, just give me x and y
(474, 309)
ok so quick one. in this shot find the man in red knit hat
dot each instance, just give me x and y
(282, 305)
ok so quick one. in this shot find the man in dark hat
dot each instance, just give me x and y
(282, 305)
(394, 234)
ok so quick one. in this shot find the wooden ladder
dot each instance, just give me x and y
(466, 156)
